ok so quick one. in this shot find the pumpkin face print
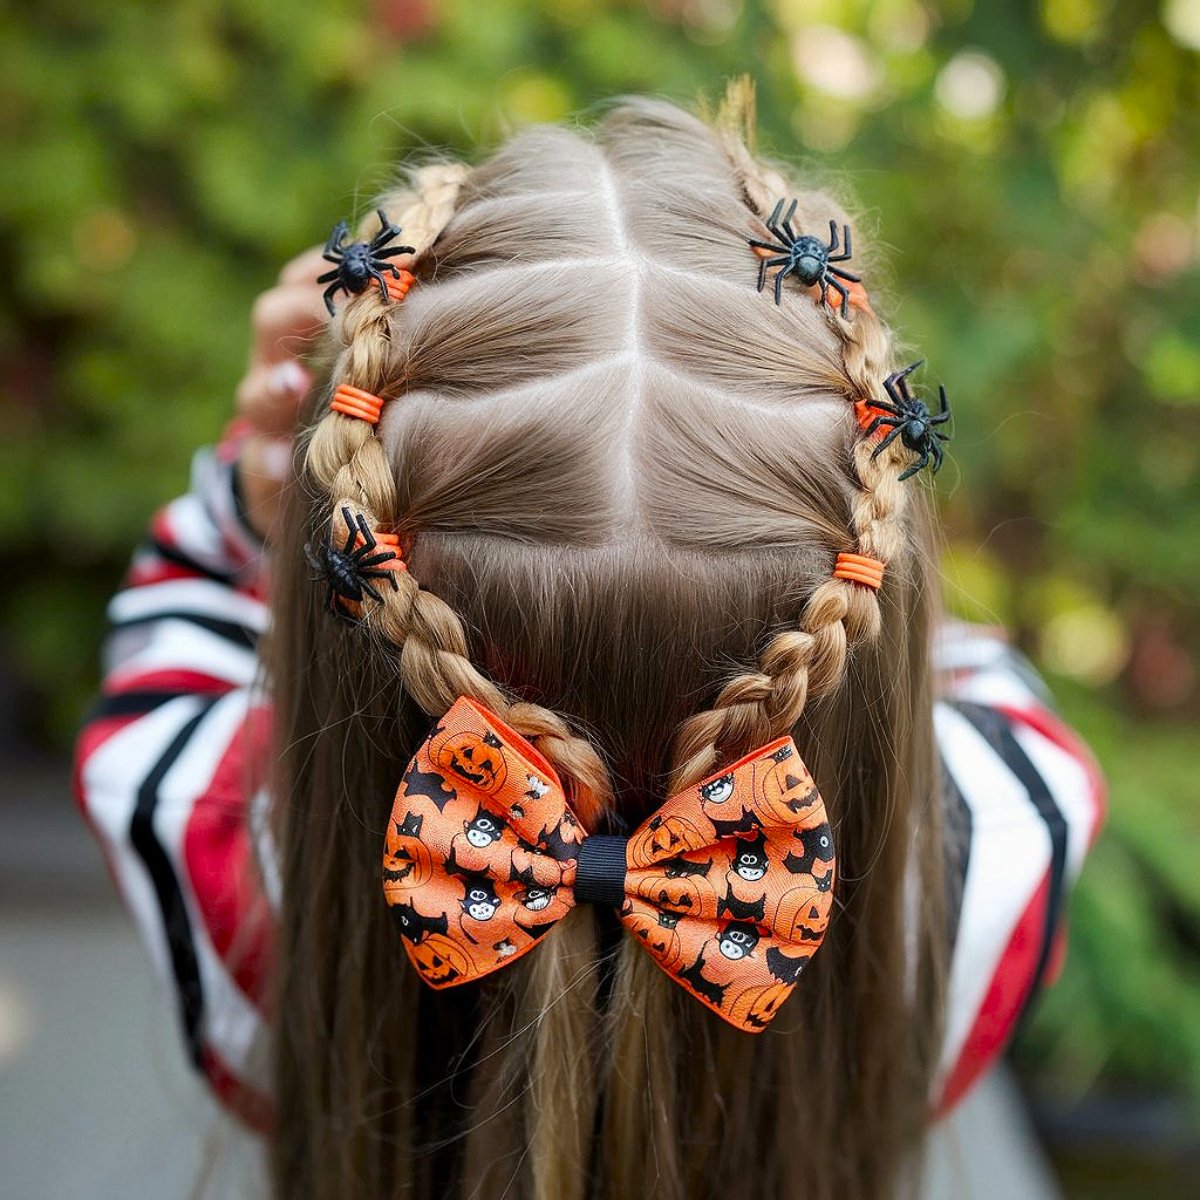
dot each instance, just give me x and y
(664, 837)
(787, 788)
(676, 893)
(757, 1006)
(474, 757)
(803, 916)
(439, 960)
(407, 862)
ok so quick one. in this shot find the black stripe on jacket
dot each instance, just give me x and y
(997, 729)
(231, 631)
(957, 832)
(177, 924)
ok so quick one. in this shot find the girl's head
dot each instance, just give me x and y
(621, 475)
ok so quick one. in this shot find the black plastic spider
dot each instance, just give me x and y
(360, 262)
(348, 571)
(805, 256)
(911, 422)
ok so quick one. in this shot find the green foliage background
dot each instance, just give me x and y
(1031, 167)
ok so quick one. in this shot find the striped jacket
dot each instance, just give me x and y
(169, 770)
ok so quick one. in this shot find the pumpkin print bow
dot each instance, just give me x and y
(728, 885)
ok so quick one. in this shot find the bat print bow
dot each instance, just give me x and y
(728, 885)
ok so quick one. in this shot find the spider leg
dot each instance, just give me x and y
(777, 249)
(885, 406)
(846, 251)
(833, 238)
(369, 588)
(330, 292)
(936, 449)
(387, 266)
(341, 231)
(900, 379)
(770, 262)
(785, 270)
(360, 526)
(844, 274)
(888, 440)
(922, 462)
(352, 531)
(377, 275)
(944, 413)
(394, 251)
(787, 220)
(334, 274)
(366, 566)
(881, 422)
(387, 231)
(390, 576)
(830, 281)
(772, 224)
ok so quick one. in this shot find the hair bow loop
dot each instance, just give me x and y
(728, 885)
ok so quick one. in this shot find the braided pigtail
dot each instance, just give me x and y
(754, 707)
(347, 461)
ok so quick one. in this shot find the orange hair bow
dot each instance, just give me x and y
(728, 885)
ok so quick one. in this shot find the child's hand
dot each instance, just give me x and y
(284, 320)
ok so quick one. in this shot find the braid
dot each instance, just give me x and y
(759, 705)
(347, 461)
(426, 213)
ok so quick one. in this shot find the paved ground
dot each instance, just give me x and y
(97, 1104)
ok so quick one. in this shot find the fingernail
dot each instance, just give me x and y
(289, 379)
(275, 458)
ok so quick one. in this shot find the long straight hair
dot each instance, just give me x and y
(622, 475)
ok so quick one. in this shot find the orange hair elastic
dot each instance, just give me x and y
(865, 412)
(390, 541)
(856, 296)
(858, 568)
(397, 289)
(354, 402)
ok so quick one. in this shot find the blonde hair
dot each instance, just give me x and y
(619, 470)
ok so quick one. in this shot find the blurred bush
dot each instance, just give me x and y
(1029, 168)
